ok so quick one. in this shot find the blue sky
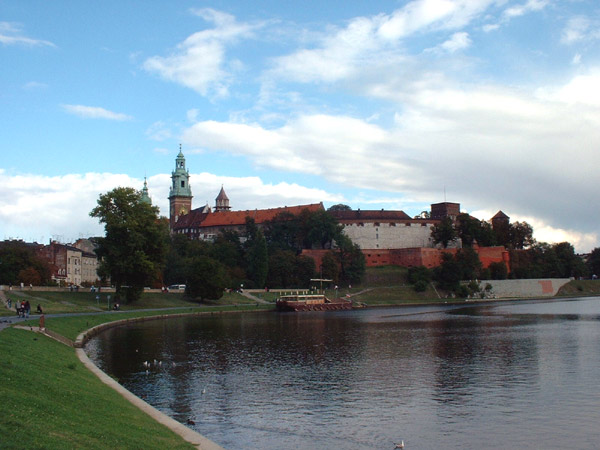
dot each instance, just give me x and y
(392, 104)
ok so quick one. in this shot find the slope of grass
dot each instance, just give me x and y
(50, 401)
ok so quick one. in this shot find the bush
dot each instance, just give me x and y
(421, 286)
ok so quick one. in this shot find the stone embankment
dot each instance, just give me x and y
(545, 287)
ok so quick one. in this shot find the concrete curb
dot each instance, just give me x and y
(186, 433)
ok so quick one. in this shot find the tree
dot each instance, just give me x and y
(339, 207)
(133, 250)
(593, 262)
(282, 233)
(330, 268)
(206, 278)
(351, 259)
(521, 235)
(20, 263)
(469, 263)
(498, 271)
(318, 229)
(443, 232)
(257, 258)
(467, 229)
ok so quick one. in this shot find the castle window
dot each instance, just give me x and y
(183, 184)
(377, 236)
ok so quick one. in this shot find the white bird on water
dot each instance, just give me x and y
(203, 391)
(399, 445)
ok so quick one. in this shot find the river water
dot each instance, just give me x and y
(519, 375)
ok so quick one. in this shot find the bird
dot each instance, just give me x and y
(399, 445)
(145, 363)
(203, 391)
(191, 422)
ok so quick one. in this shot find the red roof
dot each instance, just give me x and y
(197, 219)
(374, 215)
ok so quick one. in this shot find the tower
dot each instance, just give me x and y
(145, 197)
(180, 194)
(222, 201)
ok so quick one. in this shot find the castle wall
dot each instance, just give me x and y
(391, 235)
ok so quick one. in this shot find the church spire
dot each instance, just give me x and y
(180, 194)
(222, 201)
(145, 197)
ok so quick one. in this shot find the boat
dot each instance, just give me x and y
(312, 302)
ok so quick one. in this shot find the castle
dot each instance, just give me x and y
(385, 237)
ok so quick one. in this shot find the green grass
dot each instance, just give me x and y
(85, 301)
(576, 288)
(51, 401)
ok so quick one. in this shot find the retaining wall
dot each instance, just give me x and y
(544, 287)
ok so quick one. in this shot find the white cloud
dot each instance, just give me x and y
(36, 208)
(199, 61)
(11, 34)
(575, 30)
(95, 112)
(529, 6)
(525, 152)
(458, 41)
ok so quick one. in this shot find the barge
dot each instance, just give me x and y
(315, 302)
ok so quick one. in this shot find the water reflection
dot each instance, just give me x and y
(471, 377)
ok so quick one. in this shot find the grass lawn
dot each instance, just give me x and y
(85, 301)
(51, 401)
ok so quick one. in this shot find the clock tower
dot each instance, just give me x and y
(180, 194)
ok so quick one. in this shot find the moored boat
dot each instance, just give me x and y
(311, 302)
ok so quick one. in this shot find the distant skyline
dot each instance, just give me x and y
(493, 104)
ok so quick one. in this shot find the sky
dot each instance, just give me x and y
(493, 104)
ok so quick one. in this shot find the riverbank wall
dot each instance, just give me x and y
(544, 287)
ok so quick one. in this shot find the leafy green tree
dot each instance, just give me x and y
(521, 235)
(319, 229)
(467, 229)
(283, 233)
(330, 268)
(469, 263)
(449, 273)
(206, 278)
(593, 262)
(498, 271)
(19, 262)
(570, 264)
(134, 247)
(443, 232)
(418, 273)
(282, 265)
(351, 259)
(305, 270)
(257, 258)
(339, 207)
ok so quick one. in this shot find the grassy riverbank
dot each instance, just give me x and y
(51, 401)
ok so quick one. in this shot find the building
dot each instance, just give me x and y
(70, 265)
(385, 237)
(205, 224)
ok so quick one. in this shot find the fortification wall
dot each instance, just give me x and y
(371, 235)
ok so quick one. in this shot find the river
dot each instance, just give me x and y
(519, 375)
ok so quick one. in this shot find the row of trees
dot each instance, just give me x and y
(137, 251)
(19, 263)
(518, 235)
(539, 261)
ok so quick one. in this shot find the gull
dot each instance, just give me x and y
(399, 445)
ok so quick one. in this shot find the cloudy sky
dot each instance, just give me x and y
(494, 104)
